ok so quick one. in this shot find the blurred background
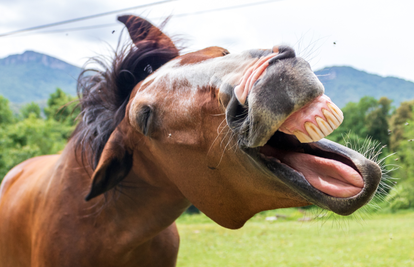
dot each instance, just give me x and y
(360, 50)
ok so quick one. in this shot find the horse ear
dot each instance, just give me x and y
(114, 165)
(142, 30)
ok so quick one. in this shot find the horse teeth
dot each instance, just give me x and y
(331, 119)
(316, 127)
(303, 138)
(324, 126)
(337, 112)
(314, 132)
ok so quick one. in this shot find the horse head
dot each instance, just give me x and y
(235, 134)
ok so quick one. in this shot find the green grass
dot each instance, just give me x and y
(377, 240)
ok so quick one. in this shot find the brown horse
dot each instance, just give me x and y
(234, 134)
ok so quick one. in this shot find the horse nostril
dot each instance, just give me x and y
(236, 113)
(284, 53)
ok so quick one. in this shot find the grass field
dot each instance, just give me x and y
(377, 240)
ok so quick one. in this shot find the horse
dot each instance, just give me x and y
(232, 134)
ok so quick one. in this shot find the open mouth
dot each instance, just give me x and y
(324, 173)
(332, 174)
(294, 145)
(321, 171)
(281, 117)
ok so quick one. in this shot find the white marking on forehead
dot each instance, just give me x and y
(210, 72)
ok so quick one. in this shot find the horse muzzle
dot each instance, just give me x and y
(285, 96)
(281, 119)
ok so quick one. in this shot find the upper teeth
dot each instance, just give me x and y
(325, 126)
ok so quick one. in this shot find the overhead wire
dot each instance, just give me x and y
(226, 8)
(117, 11)
(82, 18)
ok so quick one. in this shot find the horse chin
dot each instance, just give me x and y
(324, 173)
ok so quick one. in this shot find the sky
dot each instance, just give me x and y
(371, 35)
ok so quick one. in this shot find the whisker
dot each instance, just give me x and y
(222, 154)
(218, 135)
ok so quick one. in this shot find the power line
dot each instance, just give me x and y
(82, 18)
(225, 8)
(79, 28)
(173, 16)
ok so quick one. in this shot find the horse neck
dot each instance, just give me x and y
(137, 207)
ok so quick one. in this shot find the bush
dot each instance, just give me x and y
(401, 197)
(29, 135)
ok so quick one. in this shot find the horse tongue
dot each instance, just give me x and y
(314, 121)
(329, 176)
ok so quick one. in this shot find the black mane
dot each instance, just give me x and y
(104, 94)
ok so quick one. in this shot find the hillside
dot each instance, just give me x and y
(345, 84)
(32, 76)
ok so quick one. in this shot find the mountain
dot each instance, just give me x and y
(33, 76)
(345, 84)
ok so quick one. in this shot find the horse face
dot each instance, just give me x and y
(240, 133)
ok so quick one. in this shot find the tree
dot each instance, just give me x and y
(33, 135)
(403, 196)
(367, 118)
(29, 138)
(377, 121)
(6, 115)
(62, 107)
(398, 122)
(31, 108)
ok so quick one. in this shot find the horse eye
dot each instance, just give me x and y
(145, 118)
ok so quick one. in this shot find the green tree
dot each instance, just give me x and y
(398, 123)
(62, 107)
(405, 153)
(6, 115)
(29, 138)
(403, 196)
(377, 121)
(33, 135)
(31, 108)
(367, 118)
